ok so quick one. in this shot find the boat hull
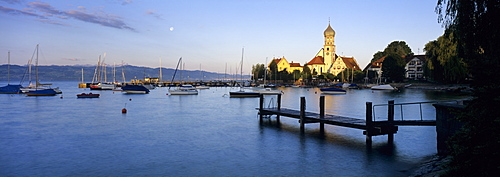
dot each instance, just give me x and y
(135, 89)
(242, 94)
(11, 89)
(45, 92)
(188, 92)
(333, 90)
(383, 87)
(101, 86)
(88, 95)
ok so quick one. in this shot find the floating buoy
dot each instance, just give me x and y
(166, 94)
(61, 97)
(124, 111)
(130, 99)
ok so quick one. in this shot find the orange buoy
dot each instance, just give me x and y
(124, 110)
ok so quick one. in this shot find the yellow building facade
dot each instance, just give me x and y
(325, 61)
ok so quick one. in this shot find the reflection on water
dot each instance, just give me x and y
(200, 135)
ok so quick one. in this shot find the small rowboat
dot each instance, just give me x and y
(88, 95)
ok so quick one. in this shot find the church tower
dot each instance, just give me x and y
(329, 46)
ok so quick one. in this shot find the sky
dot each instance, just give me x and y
(211, 35)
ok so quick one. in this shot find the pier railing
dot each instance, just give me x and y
(407, 109)
(370, 125)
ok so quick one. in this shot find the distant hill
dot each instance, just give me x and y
(74, 73)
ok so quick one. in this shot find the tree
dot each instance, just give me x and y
(398, 48)
(393, 67)
(306, 73)
(377, 56)
(443, 63)
(273, 70)
(258, 71)
(475, 149)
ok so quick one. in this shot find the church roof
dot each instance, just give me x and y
(318, 60)
(350, 62)
(329, 31)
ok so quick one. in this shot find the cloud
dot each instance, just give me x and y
(19, 12)
(104, 19)
(45, 13)
(125, 2)
(13, 1)
(154, 14)
(72, 59)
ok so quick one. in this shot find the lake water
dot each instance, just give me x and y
(208, 134)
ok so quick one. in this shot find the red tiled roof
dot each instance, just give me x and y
(350, 62)
(318, 60)
(295, 65)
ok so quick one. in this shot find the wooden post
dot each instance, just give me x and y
(369, 125)
(390, 120)
(322, 114)
(302, 113)
(279, 107)
(261, 107)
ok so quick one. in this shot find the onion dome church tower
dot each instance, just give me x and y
(329, 46)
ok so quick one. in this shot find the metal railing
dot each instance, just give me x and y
(407, 104)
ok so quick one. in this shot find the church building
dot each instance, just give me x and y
(325, 61)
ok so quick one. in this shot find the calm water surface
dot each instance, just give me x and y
(208, 134)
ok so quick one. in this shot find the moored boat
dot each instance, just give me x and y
(184, 89)
(135, 89)
(269, 91)
(383, 87)
(42, 92)
(88, 95)
(102, 86)
(243, 93)
(11, 89)
(333, 90)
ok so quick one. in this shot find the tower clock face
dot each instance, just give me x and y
(327, 53)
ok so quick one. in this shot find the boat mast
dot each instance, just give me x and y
(161, 74)
(180, 59)
(241, 67)
(82, 75)
(36, 68)
(8, 68)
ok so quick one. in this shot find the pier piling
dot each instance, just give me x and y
(369, 123)
(322, 114)
(390, 121)
(302, 113)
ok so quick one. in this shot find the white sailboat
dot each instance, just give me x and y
(38, 89)
(242, 93)
(184, 89)
(97, 82)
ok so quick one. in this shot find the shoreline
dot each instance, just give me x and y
(432, 86)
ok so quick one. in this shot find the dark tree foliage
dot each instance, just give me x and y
(399, 48)
(377, 56)
(273, 70)
(258, 71)
(306, 73)
(475, 151)
(443, 63)
(393, 68)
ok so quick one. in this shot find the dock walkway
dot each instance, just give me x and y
(371, 128)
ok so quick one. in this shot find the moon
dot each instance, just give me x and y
(171, 28)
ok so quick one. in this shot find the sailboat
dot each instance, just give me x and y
(38, 90)
(101, 68)
(9, 89)
(242, 93)
(184, 89)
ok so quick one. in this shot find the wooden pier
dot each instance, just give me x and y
(371, 128)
